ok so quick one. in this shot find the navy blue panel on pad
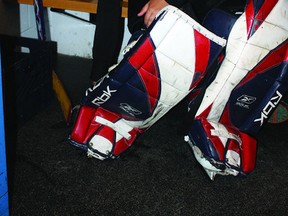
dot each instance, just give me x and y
(130, 102)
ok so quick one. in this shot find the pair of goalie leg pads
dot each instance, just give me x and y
(177, 57)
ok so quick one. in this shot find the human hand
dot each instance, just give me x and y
(151, 9)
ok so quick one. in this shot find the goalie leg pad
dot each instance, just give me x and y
(254, 69)
(156, 74)
(251, 80)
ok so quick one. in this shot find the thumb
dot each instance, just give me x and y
(143, 10)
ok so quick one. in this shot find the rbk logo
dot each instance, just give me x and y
(89, 90)
(104, 97)
(269, 107)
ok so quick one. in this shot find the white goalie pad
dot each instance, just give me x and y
(164, 65)
(248, 86)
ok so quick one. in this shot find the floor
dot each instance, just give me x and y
(158, 175)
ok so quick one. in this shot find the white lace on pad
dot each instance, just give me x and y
(115, 127)
(226, 134)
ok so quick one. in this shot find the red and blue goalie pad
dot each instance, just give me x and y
(249, 85)
(166, 63)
